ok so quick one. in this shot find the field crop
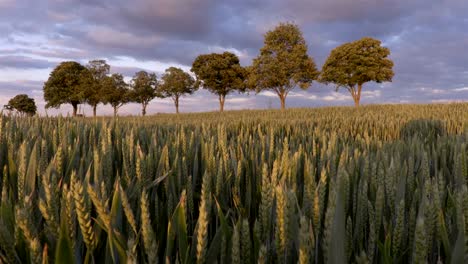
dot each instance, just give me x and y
(377, 184)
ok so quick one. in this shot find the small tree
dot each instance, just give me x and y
(220, 74)
(176, 83)
(23, 104)
(65, 85)
(144, 87)
(115, 91)
(283, 63)
(353, 64)
(93, 95)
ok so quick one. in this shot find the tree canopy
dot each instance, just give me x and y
(115, 91)
(98, 71)
(176, 83)
(353, 64)
(66, 85)
(144, 89)
(23, 104)
(283, 63)
(220, 74)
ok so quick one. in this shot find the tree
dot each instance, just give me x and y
(176, 83)
(144, 87)
(23, 104)
(115, 91)
(98, 70)
(283, 63)
(220, 74)
(353, 64)
(65, 85)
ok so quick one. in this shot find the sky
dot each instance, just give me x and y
(428, 40)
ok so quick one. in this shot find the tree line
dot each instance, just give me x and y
(282, 65)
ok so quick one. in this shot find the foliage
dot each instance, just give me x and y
(116, 91)
(175, 84)
(23, 104)
(144, 89)
(283, 63)
(99, 70)
(353, 64)
(66, 85)
(317, 185)
(220, 74)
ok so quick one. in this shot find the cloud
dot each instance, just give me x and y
(268, 94)
(371, 94)
(10, 88)
(105, 36)
(127, 71)
(24, 62)
(6, 3)
(335, 96)
(427, 42)
(238, 100)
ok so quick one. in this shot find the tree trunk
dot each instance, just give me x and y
(356, 102)
(357, 95)
(222, 98)
(176, 102)
(143, 111)
(116, 108)
(75, 108)
(282, 97)
(94, 110)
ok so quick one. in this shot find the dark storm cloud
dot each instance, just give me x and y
(427, 39)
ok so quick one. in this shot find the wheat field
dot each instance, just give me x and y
(377, 184)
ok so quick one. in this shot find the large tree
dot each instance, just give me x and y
(115, 91)
(99, 70)
(283, 63)
(353, 64)
(144, 89)
(220, 74)
(22, 104)
(176, 83)
(65, 85)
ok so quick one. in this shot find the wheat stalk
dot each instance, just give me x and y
(203, 218)
(149, 238)
(83, 213)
